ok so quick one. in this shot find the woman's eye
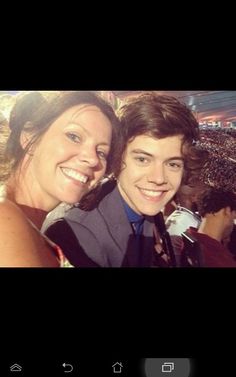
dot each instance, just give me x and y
(75, 138)
(102, 155)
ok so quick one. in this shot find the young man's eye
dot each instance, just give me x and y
(176, 165)
(141, 159)
(75, 138)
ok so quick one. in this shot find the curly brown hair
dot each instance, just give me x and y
(161, 116)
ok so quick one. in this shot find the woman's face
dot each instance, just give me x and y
(71, 157)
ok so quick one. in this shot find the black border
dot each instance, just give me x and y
(138, 312)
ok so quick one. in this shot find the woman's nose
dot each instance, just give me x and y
(89, 155)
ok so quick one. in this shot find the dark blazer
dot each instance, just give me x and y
(103, 237)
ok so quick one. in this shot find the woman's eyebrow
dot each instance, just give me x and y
(74, 123)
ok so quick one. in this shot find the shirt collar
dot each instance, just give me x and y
(131, 214)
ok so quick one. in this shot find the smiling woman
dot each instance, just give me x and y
(58, 150)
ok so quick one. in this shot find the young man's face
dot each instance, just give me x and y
(152, 172)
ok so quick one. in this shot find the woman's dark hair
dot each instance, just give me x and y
(35, 113)
(160, 116)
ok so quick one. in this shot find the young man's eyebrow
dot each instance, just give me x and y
(175, 158)
(138, 151)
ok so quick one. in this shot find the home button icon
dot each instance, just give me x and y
(117, 367)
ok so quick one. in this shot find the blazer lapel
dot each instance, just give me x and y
(113, 212)
(114, 215)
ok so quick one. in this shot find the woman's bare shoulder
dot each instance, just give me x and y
(17, 240)
(11, 214)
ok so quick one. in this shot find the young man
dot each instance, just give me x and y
(156, 150)
(218, 210)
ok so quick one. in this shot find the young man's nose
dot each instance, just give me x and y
(157, 174)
